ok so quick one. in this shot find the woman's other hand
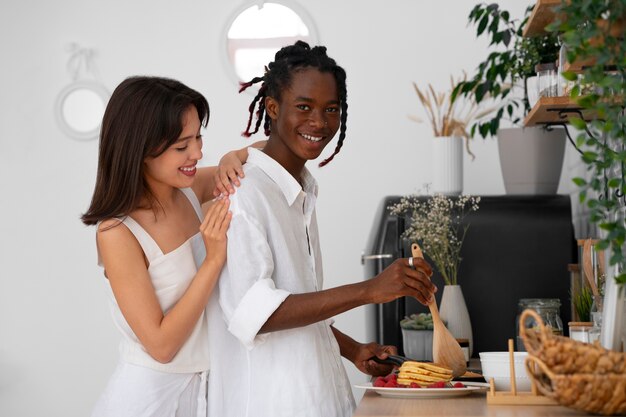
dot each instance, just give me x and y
(214, 227)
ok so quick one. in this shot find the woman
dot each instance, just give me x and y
(160, 254)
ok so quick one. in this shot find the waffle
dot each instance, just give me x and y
(423, 373)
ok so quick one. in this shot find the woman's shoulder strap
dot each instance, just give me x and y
(147, 243)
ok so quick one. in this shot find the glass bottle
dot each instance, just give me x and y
(564, 86)
(549, 311)
(546, 79)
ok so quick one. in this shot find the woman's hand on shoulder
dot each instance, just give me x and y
(213, 228)
(230, 169)
(228, 172)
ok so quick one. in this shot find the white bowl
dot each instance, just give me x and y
(496, 365)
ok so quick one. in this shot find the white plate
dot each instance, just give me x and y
(470, 387)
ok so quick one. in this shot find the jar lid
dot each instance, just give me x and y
(547, 66)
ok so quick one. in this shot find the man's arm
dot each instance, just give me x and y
(397, 280)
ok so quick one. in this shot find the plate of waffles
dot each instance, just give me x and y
(421, 380)
(468, 388)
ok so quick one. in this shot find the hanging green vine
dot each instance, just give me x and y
(593, 32)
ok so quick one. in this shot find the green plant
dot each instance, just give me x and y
(511, 63)
(421, 321)
(593, 31)
(582, 303)
(435, 222)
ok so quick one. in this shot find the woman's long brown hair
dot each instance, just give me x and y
(142, 119)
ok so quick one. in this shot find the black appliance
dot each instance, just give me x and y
(516, 247)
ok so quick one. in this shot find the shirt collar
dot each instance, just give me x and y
(285, 181)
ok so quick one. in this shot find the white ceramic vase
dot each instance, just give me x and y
(453, 311)
(447, 165)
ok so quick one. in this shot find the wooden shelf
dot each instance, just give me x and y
(541, 16)
(578, 66)
(546, 110)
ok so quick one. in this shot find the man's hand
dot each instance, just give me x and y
(400, 279)
(363, 361)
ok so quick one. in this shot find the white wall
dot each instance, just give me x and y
(57, 343)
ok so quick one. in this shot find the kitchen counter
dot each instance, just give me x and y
(373, 405)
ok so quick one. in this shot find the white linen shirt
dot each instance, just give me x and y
(273, 251)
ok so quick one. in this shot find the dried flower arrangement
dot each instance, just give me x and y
(448, 117)
(436, 223)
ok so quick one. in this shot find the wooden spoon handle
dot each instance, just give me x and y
(416, 251)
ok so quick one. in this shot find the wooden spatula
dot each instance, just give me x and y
(446, 350)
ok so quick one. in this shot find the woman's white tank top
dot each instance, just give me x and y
(171, 274)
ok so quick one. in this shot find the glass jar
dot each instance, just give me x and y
(547, 79)
(549, 311)
(581, 331)
(564, 86)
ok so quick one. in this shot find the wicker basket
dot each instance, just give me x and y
(593, 393)
(578, 375)
(567, 356)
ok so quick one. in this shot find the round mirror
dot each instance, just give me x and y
(79, 109)
(256, 32)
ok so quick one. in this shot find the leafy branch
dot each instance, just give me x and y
(512, 62)
(593, 32)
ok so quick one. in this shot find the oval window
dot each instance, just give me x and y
(257, 32)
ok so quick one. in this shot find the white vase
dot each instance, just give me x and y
(453, 311)
(447, 165)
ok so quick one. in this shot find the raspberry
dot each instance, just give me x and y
(458, 385)
(391, 384)
(414, 385)
(439, 384)
(380, 382)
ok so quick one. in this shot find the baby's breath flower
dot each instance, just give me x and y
(435, 222)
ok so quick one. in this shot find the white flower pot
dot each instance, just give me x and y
(418, 344)
(531, 159)
(454, 312)
(447, 165)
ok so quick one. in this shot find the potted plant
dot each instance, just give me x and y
(417, 336)
(530, 158)
(450, 121)
(593, 32)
